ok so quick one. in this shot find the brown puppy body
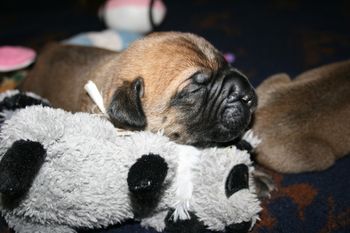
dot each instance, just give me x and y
(55, 78)
(304, 123)
(173, 81)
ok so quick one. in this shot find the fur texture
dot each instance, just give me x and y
(304, 124)
(171, 81)
(83, 181)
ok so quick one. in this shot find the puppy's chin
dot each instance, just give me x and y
(234, 118)
(222, 135)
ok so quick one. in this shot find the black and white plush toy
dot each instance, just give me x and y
(13, 100)
(60, 172)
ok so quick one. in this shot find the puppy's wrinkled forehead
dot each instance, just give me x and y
(174, 52)
(166, 61)
(195, 50)
(170, 57)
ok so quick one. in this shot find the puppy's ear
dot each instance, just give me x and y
(125, 109)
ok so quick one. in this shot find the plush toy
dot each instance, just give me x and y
(15, 57)
(13, 100)
(133, 16)
(126, 21)
(13, 61)
(60, 172)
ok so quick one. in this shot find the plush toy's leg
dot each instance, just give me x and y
(19, 166)
(145, 180)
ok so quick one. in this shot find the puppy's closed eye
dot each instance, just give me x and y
(197, 83)
(188, 95)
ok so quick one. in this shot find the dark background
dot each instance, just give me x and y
(266, 37)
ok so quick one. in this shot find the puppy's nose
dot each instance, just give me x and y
(240, 89)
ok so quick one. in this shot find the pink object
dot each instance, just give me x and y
(15, 58)
(230, 57)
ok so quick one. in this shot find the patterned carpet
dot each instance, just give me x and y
(266, 37)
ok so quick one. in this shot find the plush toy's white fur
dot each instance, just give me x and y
(83, 181)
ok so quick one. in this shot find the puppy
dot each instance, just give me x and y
(170, 81)
(177, 82)
(304, 123)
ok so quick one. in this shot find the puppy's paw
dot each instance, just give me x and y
(264, 184)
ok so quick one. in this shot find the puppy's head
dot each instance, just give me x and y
(180, 83)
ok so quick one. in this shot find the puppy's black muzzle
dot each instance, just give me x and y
(236, 87)
(234, 101)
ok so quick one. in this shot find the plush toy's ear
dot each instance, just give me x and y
(125, 109)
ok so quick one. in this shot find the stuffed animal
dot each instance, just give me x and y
(15, 58)
(60, 172)
(13, 100)
(13, 63)
(126, 22)
(133, 16)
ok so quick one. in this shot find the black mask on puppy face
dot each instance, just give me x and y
(215, 109)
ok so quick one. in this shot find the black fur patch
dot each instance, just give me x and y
(3, 225)
(125, 109)
(18, 101)
(19, 166)
(237, 179)
(206, 111)
(244, 145)
(145, 180)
